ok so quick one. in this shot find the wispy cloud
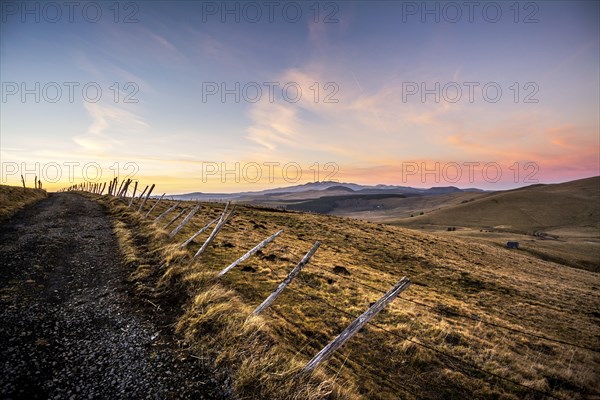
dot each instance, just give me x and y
(111, 127)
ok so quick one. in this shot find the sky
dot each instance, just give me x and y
(232, 96)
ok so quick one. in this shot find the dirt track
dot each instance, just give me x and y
(69, 326)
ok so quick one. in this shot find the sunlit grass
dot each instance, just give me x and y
(481, 281)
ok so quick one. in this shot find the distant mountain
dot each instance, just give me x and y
(325, 187)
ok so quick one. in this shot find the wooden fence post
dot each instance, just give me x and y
(146, 198)
(224, 211)
(23, 180)
(214, 232)
(175, 219)
(133, 195)
(154, 205)
(121, 187)
(195, 235)
(250, 253)
(358, 323)
(166, 212)
(141, 195)
(185, 221)
(126, 188)
(273, 296)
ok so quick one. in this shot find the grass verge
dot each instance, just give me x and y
(212, 319)
(14, 198)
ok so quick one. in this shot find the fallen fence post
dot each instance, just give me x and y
(133, 195)
(175, 219)
(250, 253)
(358, 323)
(273, 296)
(166, 212)
(154, 205)
(185, 221)
(146, 198)
(205, 227)
(214, 232)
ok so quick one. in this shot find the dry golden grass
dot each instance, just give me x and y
(569, 211)
(487, 283)
(14, 198)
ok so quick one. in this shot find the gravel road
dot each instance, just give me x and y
(70, 327)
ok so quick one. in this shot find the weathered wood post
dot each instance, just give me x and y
(214, 232)
(146, 198)
(224, 211)
(120, 187)
(195, 235)
(273, 296)
(103, 187)
(168, 210)
(154, 205)
(358, 323)
(23, 180)
(175, 219)
(185, 221)
(250, 253)
(126, 188)
(133, 195)
(142, 195)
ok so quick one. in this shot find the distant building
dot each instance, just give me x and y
(512, 245)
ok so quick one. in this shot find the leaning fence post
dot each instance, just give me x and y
(154, 205)
(175, 219)
(146, 198)
(205, 227)
(120, 187)
(250, 253)
(214, 232)
(185, 221)
(358, 323)
(273, 296)
(142, 194)
(133, 195)
(166, 212)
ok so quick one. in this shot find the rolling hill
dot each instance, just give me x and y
(552, 208)
(479, 321)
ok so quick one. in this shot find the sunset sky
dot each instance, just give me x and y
(362, 115)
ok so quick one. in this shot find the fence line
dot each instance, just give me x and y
(360, 321)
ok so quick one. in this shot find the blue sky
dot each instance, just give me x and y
(365, 57)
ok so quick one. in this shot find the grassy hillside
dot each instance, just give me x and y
(13, 198)
(559, 223)
(328, 204)
(562, 206)
(391, 209)
(479, 321)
